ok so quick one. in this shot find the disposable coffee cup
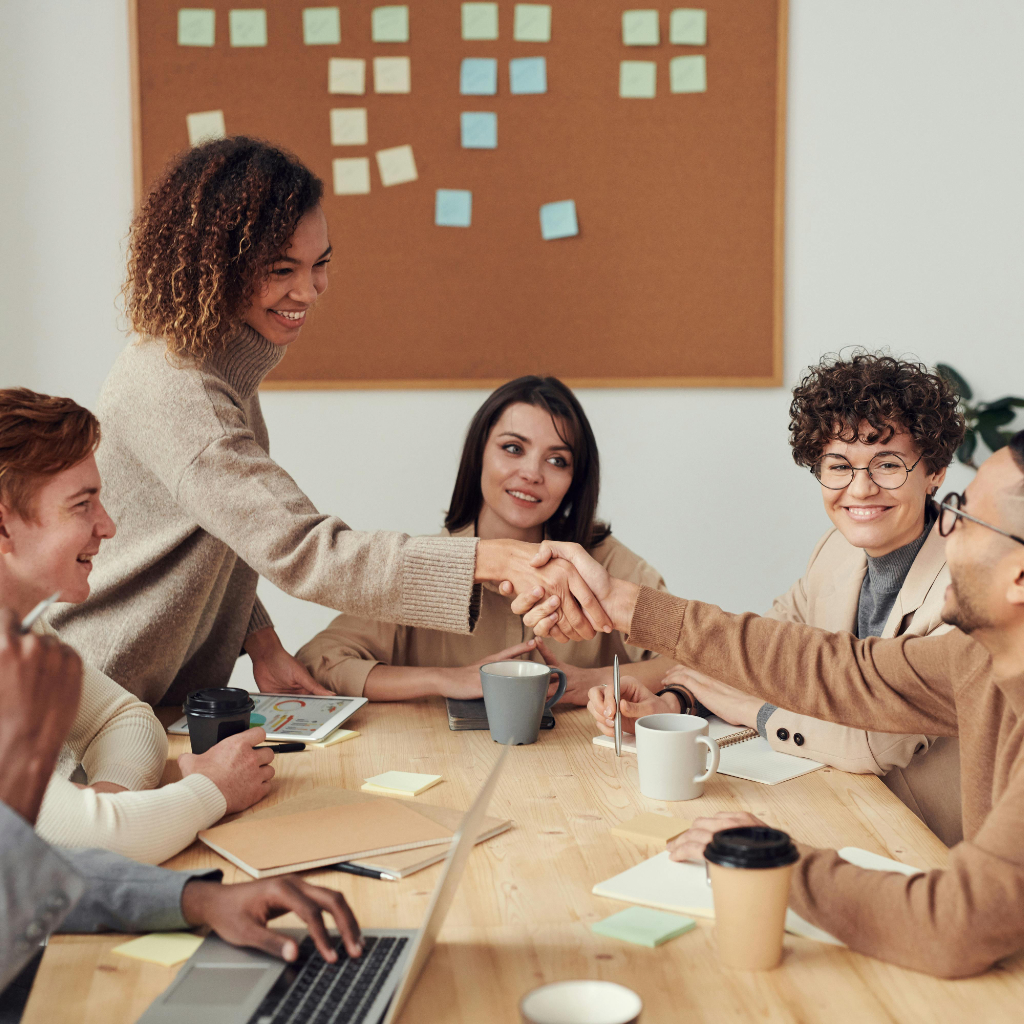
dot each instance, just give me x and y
(516, 697)
(215, 714)
(581, 1002)
(749, 869)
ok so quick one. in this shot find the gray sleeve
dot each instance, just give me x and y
(37, 887)
(125, 896)
(763, 714)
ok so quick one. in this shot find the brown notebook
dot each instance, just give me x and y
(398, 865)
(315, 837)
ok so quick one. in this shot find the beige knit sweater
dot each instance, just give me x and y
(202, 511)
(117, 738)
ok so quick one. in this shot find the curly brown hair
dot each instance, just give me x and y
(206, 235)
(838, 395)
(40, 436)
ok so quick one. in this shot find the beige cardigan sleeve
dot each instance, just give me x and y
(341, 656)
(850, 750)
(117, 738)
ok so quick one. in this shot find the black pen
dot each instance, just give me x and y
(283, 748)
(356, 869)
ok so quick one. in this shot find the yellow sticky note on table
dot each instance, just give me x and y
(651, 828)
(400, 783)
(164, 948)
(339, 735)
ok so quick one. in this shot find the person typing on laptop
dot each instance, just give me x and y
(43, 890)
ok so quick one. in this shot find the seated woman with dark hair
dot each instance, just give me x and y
(529, 470)
(878, 434)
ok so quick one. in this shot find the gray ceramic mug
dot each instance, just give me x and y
(514, 696)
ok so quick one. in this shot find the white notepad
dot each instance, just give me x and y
(682, 888)
(752, 759)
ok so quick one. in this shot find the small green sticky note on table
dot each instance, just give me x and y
(643, 926)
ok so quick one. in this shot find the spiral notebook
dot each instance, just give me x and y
(745, 755)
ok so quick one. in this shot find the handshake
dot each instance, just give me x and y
(560, 591)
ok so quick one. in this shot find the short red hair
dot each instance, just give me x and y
(40, 436)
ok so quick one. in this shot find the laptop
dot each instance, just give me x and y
(223, 984)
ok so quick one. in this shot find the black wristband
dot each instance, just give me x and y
(687, 701)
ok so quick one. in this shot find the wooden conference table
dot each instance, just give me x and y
(523, 913)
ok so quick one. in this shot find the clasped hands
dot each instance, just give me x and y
(563, 593)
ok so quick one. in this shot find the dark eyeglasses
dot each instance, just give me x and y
(950, 511)
(888, 471)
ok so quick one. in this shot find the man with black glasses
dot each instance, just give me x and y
(953, 922)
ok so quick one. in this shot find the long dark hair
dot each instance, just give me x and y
(575, 518)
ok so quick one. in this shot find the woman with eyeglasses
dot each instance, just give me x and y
(877, 433)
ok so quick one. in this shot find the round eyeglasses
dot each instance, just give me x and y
(887, 470)
(951, 510)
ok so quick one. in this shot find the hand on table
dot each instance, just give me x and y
(40, 686)
(578, 681)
(464, 683)
(242, 774)
(636, 702)
(731, 705)
(690, 845)
(239, 914)
(576, 615)
(542, 609)
(275, 670)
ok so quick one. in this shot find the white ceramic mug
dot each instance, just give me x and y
(581, 1002)
(671, 756)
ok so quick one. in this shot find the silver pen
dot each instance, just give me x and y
(30, 620)
(618, 707)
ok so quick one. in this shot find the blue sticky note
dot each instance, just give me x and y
(479, 130)
(479, 76)
(453, 208)
(528, 75)
(558, 220)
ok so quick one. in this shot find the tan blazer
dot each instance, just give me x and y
(341, 656)
(923, 771)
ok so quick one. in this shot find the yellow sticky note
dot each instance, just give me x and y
(164, 948)
(392, 75)
(205, 125)
(396, 166)
(401, 783)
(339, 735)
(351, 175)
(348, 126)
(346, 76)
(651, 828)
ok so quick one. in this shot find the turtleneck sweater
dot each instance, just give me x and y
(202, 511)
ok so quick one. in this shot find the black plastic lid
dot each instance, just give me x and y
(753, 846)
(224, 700)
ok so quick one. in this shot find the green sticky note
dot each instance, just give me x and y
(640, 28)
(248, 27)
(688, 26)
(195, 26)
(480, 21)
(321, 26)
(637, 79)
(688, 74)
(532, 23)
(390, 25)
(643, 926)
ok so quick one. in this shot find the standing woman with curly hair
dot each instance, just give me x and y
(227, 256)
(877, 433)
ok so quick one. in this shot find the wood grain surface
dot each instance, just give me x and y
(523, 913)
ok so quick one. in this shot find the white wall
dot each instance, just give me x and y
(905, 228)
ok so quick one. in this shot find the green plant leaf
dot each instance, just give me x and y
(967, 446)
(989, 417)
(995, 439)
(1004, 403)
(963, 389)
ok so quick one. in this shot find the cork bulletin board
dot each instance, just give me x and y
(674, 274)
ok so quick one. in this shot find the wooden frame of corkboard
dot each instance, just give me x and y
(676, 276)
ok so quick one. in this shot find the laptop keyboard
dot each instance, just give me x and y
(323, 993)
